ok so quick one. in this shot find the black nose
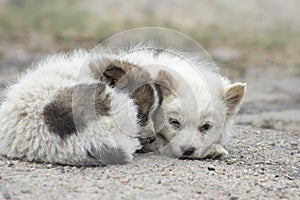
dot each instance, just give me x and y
(189, 151)
(152, 139)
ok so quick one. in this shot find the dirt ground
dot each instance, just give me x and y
(263, 164)
(263, 161)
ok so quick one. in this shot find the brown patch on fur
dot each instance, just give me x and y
(166, 82)
(159, 93)
(109, 71)
(87, 100)
(24, 114)
(113, 74)
(145, 98)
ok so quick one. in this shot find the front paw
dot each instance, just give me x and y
(217, 151)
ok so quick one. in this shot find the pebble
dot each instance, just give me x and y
(6, 196)
(293, 143)
(211, 168)
(289, 177)
(141, 187)
(49, 166)
(10, 164)
(67, 169)
(271, 144)
(26, 191)
(124, 181)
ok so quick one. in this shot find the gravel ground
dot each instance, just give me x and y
(263, 164)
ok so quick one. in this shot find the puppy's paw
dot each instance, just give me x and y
(217, 151)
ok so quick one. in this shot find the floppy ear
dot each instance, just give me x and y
(113, 74)
(233, 97)
(166, 82)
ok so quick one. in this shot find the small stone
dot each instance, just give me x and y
(141, 187)
(271, 144)
(293, 143)
(67, 169)
(220, 172)
(49, 166)
(290, 177)
(6, 196)
(10, 164)
(26, 191)
(211, 168)
(124, 181)
(234, 198)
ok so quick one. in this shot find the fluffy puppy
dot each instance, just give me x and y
(198, 103)
(50, 116)
(197, 119)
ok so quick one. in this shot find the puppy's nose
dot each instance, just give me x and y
(152, 139)
(189, 151)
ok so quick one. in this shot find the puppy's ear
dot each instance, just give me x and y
(233, 97)
(166, 82)
(113, 74)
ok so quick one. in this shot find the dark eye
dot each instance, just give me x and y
(205, 127)
(174, 122)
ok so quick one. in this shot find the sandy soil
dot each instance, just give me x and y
(264, 159)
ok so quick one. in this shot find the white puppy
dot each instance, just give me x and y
(198, 104)
(50, 116)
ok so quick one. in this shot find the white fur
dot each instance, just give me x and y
(199, 98)
(27, 137)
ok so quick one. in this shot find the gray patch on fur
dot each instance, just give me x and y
(108, 155)
(73, 107)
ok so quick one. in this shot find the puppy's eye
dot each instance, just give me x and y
(174, 122)
(205, 127)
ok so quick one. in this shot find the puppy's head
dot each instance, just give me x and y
(137, 82)
(195, 115)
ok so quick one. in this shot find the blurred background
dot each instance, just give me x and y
(254, 41)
